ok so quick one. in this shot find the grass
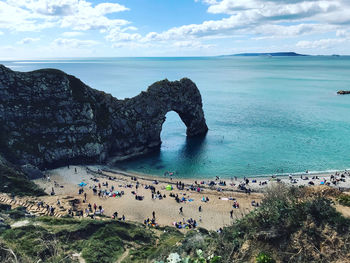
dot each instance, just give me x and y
(165, 244)
(52, 239)
(344, 199)
(103, 246)
(284, 215)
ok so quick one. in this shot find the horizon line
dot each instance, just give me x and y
(202, 56)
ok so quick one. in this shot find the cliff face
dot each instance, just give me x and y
(48, 118)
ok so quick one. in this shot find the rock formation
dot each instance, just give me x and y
(343, 92)
(49, 118)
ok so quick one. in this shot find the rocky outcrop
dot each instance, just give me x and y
(343, 92)
(49, 118)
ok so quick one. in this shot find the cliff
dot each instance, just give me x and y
(49, 118)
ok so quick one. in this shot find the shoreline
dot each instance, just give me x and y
(228, 177)
(285, 177)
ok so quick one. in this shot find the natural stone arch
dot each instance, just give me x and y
(50, 118)
(149, 108)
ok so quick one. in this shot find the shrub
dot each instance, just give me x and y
(344, 199)
(264, 258)
(17, 213)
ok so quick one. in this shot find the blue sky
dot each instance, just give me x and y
(114, 28)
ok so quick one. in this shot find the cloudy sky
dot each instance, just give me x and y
(114, 28)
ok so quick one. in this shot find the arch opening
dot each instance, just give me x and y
(173, 132)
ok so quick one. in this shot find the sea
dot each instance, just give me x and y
(266, 115)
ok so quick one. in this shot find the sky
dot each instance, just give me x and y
(131, 28)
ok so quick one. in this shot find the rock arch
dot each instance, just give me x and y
(49, 118)
(149, 108)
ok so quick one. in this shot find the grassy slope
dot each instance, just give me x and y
(292, 225)
(52, 240)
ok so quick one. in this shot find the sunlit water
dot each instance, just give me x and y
(265, 115)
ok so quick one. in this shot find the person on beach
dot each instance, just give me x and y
(181, 210)
(231, 213)
(154, 214)
(200, 208)
(115, 215)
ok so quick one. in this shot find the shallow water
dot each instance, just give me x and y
(265, 115)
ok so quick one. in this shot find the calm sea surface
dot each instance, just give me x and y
(265, 115)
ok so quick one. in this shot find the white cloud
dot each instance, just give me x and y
(108, 8)
(275, 9)
(72, 34)
(264, 19)
(74, 43)
(190, 45)
(27, 40)
(321, 44)
(282, 31)
(35, 15)
(115, 35)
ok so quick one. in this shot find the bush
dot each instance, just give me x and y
(344, 199)
(264, 258)
(105, 245)
(17, 213)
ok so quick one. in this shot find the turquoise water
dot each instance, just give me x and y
(265, 115)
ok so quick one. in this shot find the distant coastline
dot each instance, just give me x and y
(273, 54)
(279, 54)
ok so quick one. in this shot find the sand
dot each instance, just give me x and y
(214, 215)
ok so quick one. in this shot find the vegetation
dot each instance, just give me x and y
(16, 183)
(344, 199)
(264, 258)
(291, 225)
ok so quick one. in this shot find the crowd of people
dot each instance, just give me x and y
(188, 224)
(179, 191)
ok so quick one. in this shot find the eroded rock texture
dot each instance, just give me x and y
(49, 118)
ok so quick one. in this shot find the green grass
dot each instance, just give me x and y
(103, 246)
(49, 239)
(264, 258)
(165, 245)
(30, 242)
(283, 213)
(344, 199)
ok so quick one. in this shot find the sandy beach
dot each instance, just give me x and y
(214, 213)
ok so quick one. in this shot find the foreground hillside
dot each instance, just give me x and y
(292, 225)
